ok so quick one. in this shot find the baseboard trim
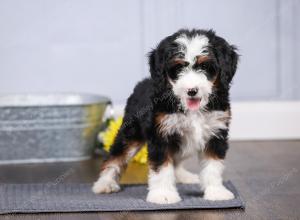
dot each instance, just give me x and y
(260, 120)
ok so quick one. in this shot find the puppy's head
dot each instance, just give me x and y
(193, 64)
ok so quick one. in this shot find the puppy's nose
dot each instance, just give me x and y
(192, 92)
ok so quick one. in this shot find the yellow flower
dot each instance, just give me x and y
(109, 135)
(141, 156)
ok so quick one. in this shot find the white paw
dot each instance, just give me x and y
(104, 185)
(217, 193)
(163, 196)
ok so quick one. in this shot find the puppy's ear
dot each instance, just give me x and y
(227, 59)
(156, 67)
(154, 64)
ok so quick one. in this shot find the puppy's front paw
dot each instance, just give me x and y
(163, 196)
(217, 193)
(104, 185)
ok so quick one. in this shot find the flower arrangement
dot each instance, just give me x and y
(108, 136)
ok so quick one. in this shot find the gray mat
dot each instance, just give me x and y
(38, 198)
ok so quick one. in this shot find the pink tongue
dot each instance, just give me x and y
(193, 104)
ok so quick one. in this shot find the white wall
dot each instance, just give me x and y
(100, 46)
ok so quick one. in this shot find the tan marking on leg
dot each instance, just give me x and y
(112, 168)
(121, 161)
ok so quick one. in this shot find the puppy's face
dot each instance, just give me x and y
(194, 64)
(191, 71)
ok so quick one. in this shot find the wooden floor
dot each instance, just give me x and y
(266, 174)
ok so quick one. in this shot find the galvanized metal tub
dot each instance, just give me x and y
(49, 127)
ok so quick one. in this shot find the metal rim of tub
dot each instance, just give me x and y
(51, 99)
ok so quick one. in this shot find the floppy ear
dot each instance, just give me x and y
(153, 63)
(227, 59)
(156, 67)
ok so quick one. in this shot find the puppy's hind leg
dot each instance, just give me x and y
(185, 176)
(120, 154)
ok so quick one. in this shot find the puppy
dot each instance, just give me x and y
(182, 110)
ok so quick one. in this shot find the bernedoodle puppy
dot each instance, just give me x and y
(183, 109)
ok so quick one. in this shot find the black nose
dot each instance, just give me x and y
(192, 92)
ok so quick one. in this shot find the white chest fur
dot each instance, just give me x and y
(195, 128)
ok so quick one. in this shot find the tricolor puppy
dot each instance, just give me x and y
(182, 110)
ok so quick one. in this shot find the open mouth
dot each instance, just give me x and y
(193, 103)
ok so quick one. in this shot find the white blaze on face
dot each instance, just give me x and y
(194, 47)
(190, 78)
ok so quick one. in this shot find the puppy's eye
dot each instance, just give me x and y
(174, 70)
(175, 67)
(204, 65)
(177, 64)
(207, 66)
